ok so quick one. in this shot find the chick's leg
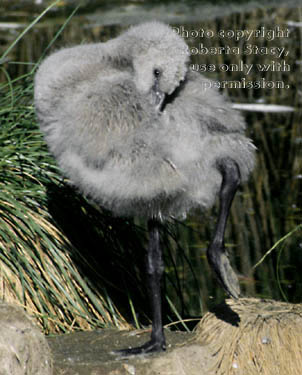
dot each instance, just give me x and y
(216, 253)
(155, 269)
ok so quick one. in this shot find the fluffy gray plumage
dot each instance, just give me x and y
(97, 106)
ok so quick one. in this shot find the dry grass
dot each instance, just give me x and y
(252, 336)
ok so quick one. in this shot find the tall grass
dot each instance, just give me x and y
(37, 270)
(38, 264)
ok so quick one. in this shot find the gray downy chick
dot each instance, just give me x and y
(134, 129)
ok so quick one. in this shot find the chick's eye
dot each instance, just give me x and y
(156, 72)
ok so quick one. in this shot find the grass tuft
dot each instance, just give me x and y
(36, 266)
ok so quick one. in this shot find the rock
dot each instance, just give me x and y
(190, 359)
(23, 348)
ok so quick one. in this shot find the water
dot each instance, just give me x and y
(262, 65)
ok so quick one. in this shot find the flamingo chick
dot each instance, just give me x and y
(134, 129)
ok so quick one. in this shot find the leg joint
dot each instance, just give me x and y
(230, 171)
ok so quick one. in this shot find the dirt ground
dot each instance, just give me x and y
(89, 353)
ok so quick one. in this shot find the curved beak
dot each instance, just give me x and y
(158, 96)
